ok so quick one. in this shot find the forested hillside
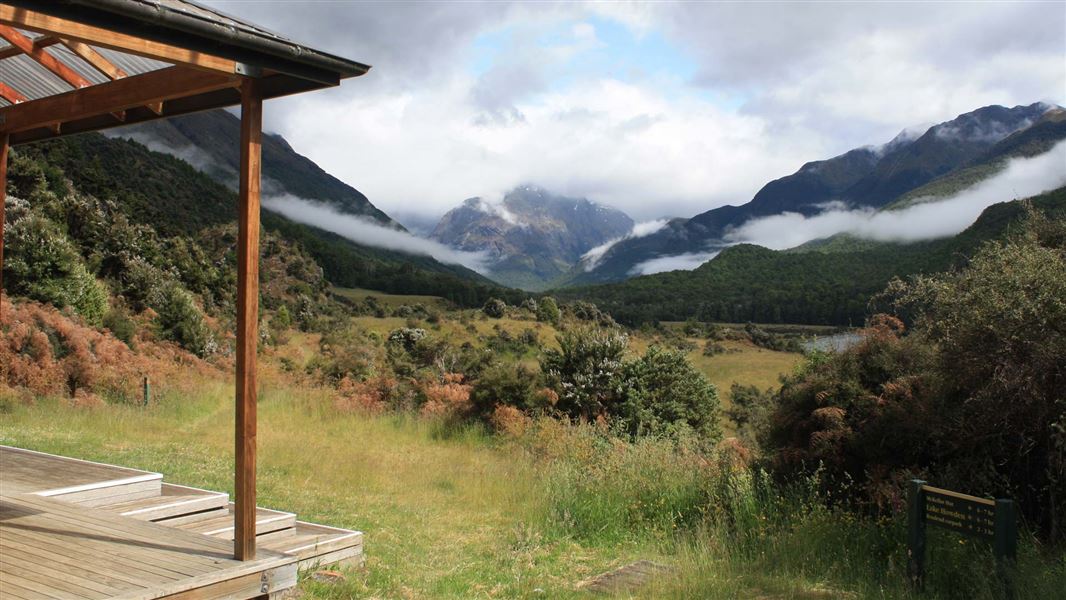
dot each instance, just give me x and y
(168, 196)
(751, 283)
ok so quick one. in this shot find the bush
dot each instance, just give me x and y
(506, 384)
(344, 353)
(972, 399)
(180, 320)
(121, 325)
(586, 371)
(548, 310)
(495, 308)
(662, 394)
(43, 264)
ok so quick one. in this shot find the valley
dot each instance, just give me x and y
(657, 300)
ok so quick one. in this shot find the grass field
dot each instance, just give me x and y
(390, 300)
(457, 512)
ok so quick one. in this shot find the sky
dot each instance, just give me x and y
(660, 109)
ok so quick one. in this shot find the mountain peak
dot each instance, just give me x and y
(533, 235)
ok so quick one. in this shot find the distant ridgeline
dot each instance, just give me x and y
(936, 162)
(828, 281)
(173, 198)
(752, 283)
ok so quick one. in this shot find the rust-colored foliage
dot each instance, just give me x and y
(447, 397)
(509, 420)
(44, 351)
(372, 396)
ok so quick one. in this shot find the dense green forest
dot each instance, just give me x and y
(751, 283)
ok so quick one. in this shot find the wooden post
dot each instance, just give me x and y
(1005, 544)
(247, 318)
(916, 535)
(3, 198)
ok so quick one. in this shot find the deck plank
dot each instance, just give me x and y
(53, 550)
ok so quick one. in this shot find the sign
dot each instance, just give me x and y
(982, 518)
(967, 515)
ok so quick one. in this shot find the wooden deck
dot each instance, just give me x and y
(72, 529)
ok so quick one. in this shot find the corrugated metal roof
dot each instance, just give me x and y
(25, 75)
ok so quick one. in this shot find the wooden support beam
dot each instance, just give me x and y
(119, 95)
(10, 94)
(3, 198)
(43, 58)
(42, 42)
(247, 318)
(94, 58)
(72, 30)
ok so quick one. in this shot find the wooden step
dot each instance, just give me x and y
(266, 522)
(318, 545)
(174, 501)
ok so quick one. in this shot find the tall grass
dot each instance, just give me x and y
(732, 530)
(451, 511)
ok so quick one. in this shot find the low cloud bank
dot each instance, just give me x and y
(367, 233)
(1021, 178)
(592, 258)
(675, 262)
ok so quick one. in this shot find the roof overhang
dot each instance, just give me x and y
(182, 58)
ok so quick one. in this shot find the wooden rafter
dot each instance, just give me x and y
(10, 94)
(42, 57)
(71, 30)
(94, 58)
(119, 95)
(42, 42)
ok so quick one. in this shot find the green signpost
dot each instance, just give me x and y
(982, 518)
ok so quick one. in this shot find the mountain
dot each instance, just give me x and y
(209, 142)
(873, 176)
(173, 198)
(532, 236)
(832, 287)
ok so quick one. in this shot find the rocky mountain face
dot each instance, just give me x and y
(208, 141)
(532, 236)
(873, 176)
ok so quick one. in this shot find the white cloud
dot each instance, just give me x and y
(674, 262)
(424, 129)
(591, 259)
(368, 233)
(1021, 178)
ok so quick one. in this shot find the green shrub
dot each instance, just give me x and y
(43, 264)
(495, 308)
(180, 320)
(586, 371)
(509, 384)
(972, 399)
(663, 394)
(548, 310)
(118, 321)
